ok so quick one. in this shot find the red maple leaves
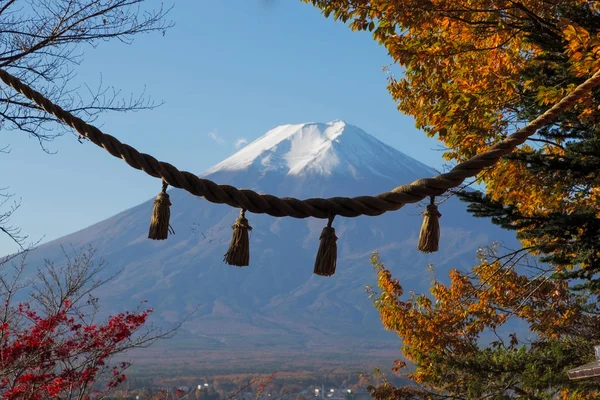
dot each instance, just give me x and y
(45, 357)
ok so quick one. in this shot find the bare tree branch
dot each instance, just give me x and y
(42, 41)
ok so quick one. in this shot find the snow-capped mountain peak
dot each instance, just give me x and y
(277, 301)
(319, 148)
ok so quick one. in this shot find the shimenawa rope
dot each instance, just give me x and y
(316, 207)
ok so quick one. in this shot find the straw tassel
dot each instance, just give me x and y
(239, 248)
(326, 260)
(430, 230)
(159, 224)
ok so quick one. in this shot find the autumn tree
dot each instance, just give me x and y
(53, 345)
(442, 333)
(473, 72)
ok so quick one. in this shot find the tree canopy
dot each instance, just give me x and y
(473, 71)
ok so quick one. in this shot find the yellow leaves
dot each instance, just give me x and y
(576, 36)
(502, 318)
(573, 394)
(553, 94)
(445, 22)
(470, 79)
(459, 77)
(466, 76)
(594, 6)
(582, 48)
(529, 84)
(511, 183)
(453, 316)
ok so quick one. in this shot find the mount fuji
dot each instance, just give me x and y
(276, 308)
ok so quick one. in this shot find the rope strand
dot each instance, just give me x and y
(292, 207)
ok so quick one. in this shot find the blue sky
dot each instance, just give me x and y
(228, 71)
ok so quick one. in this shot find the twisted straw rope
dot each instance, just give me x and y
(292, 207)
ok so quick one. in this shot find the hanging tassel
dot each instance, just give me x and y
(327, 254)
(159, 224)
(430, 230)
(239, 248)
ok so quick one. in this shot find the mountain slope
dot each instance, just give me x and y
(276, 302)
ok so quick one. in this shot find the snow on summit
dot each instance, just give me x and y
(320, 148)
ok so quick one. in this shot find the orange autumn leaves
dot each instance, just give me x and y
(464, 81)
(463, 59)
(582, 49)
(450, 321)
(473, 71)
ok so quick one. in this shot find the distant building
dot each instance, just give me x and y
(588, 370)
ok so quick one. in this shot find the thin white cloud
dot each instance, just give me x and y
(240, 143)
(216, 138)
